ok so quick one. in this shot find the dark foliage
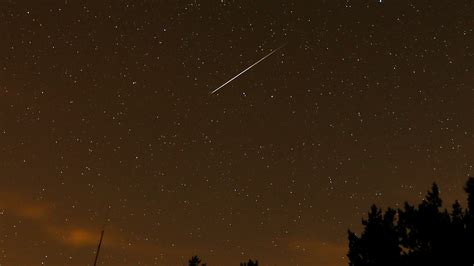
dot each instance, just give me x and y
(250, 263)
(195, 260)
(417, 235)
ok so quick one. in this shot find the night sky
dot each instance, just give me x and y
(105, 107)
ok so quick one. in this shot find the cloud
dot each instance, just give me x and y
(76, 237)
(76, 234)
(81, 237)
(15, 205)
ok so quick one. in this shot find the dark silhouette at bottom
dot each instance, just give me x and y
(195, 260)
(417, 235)
(250, 263)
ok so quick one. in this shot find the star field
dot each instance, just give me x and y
(105, 106)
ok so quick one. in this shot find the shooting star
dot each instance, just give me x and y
(254, 64)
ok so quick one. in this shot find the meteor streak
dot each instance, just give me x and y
(254, 64)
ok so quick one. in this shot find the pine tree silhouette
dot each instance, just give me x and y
(426, 229)
(417, 235)
(378, 244)
(469, 217)
(250, 263)
(194, 261)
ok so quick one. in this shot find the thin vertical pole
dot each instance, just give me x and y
(98, 247)
(102, 235)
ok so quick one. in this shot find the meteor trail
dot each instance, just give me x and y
(263, 58)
